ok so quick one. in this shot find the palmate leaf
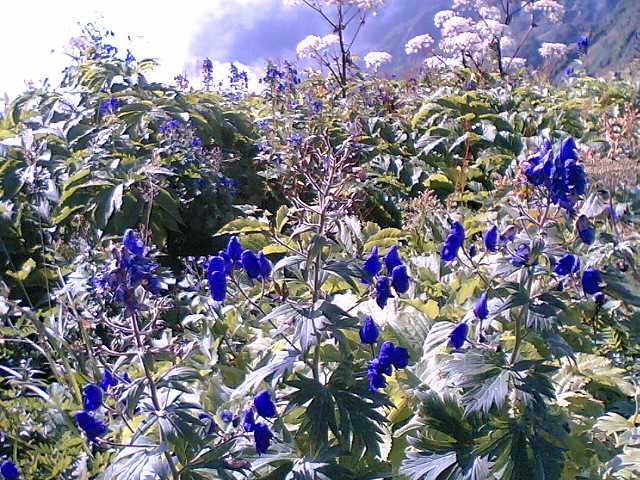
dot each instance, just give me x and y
(342, 412)
(138, 463)
(421, 466)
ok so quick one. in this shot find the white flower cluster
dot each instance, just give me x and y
(512, 64)
(314, 45)
(362, 4)
(551, 9)
(374, 60)
(553, 51)
(421, 42)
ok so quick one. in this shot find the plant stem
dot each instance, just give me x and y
(524, 313)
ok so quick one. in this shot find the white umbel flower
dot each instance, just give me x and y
(553, 51)
(374, 60)
(421, 42)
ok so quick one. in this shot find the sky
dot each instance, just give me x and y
(34, 34)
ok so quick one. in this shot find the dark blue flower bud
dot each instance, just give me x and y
(264, 405)
(92, 427)
(453, 242)
(216, 264)
(372, 264)
(567, 265)
(508, 234)
(218, 286)
(368, 331)
(265, 266)
(250, 264)
(599, 298)
(375, 375)
(586, 230)
(458, 335)
(91, 397)
(521, 257)
(481, 310)
(132, 242)
(392, 259)
(9, 470)
(568, 149)
(400, 357)
(591, 281)
(234, 249)
(262, 436)
(209, 422)
(383, 291)
(228, 263)
(107, 380)
(226, 416)
(490, 238)
(387, 351)
(248, 422)
(400, 279)
(583, 44)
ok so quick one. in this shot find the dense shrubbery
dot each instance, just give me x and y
(339, 278)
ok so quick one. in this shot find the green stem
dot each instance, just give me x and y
(524, 313)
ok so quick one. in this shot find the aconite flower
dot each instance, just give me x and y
(250, 264)
(234, 249)
(108, 380)
(262, 436)
(521, 256)
(567, 265)
(591, 281)
(481, 310)
(392, 259)
(453, 242)
(490, 238)
(9, 470)
(368, 331)
(91, 397)
(400, 279)
(264, 405)
(372, 264)
(248, 421)
(92, 427)
(208, 421)
(586, 230)
(375, 375)
(458, 335)
(226, 416)
(265, 266)
(383, 291)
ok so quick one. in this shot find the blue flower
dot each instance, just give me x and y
(400, 357)
(92, 427)
(208, 420)
(375, 375)
(591, 281)
(567, 265)
(583, 44)
(569, 71)
(228, 263)
(369, 331)
(316, 106)
(453, 242)
(91, 397)
(248, 422)
(226, 416)
(490, 238)
(196, 142)
(109, 106)
(265, 266)
(295, 139)
(218, 285)
(107, 380)
(383, 291)
(481, 310)
(262, 436)
(216, 264)
(132, 242)
(264, 405)
(400, 279)
(521, 257)
(568, 149)
(508, 234)
(234, 249)
(586, 230)
(599, 298)
(9, 470)
(385, 355)
(458, 335)
(372, 264)
(250, 264)
(168, 126)
(392, 259)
